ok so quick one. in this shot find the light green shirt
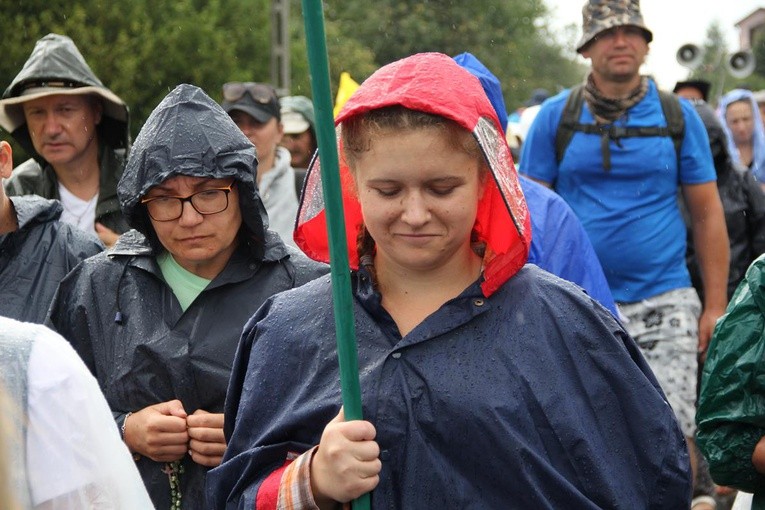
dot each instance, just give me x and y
(185, 284)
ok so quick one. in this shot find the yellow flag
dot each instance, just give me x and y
(345, 89)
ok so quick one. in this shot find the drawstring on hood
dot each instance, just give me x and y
(119, 318)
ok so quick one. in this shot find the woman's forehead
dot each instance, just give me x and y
(185, 182)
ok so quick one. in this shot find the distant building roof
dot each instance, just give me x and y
(749, 26)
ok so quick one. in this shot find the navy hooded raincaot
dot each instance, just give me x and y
(522, 392)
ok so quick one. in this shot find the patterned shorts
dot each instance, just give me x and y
(666, 328)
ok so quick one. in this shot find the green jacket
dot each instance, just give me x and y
(731, 411)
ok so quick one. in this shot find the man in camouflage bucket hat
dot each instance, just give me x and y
(600, 15)
(618, 167)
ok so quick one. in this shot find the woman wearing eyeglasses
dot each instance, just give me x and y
(157, 318)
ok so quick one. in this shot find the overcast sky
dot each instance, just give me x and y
(673, 23)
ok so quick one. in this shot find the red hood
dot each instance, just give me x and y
(433, 83)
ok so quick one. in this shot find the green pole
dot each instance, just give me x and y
(313, 16)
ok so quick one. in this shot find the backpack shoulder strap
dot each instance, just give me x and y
(673, 112)
(569, 119)
(569, 123)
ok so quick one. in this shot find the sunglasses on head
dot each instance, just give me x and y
(263, 94)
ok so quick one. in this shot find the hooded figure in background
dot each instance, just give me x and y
(76, 131)
(456, 338)
(559, 243)
(743, 203)
(158, 317)
(740, 117)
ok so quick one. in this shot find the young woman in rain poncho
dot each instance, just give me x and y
(486, 384)
(158, 317)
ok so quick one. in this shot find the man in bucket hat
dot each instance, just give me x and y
(76, 131)
(619, 169)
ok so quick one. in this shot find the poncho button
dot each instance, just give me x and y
(478, 302)
(396, 355)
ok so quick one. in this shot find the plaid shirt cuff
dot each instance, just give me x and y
(295, 487)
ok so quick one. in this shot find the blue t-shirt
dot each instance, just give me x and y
(630, 212)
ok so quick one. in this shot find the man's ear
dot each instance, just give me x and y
(98, 108)
(6, 160)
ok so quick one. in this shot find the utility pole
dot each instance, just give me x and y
(280, 46)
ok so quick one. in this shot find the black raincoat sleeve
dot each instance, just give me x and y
(731, 412)
(74, 322)
(755, 214)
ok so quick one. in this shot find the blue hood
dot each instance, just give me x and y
(489, 82)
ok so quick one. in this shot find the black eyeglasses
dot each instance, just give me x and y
(263, 94)
(205, 202)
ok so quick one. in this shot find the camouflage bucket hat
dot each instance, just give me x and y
(600, 15)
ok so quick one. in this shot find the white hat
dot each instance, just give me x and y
(294, 123)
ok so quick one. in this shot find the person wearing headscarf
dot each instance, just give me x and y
(743, 203)
(456, 338)
(158, 317)
(740, 117)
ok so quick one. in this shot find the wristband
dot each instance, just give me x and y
(122, 428)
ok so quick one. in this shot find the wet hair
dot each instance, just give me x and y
(359, 131)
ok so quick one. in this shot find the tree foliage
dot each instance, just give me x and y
(141, 49)
(508, 36)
